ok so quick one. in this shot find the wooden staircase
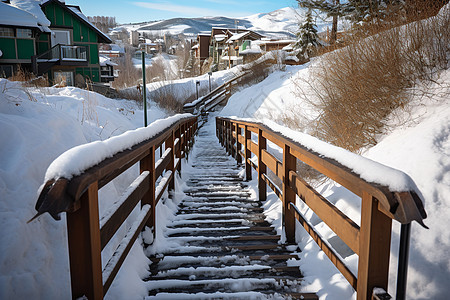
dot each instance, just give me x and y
(227, 249)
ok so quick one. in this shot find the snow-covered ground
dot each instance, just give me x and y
(279, 23)
(417, 143)
(40, 124)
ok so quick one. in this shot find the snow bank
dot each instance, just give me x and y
(38, 125)
(78, 159)
(417, 144)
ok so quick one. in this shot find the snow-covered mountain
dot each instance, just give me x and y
(280, 23)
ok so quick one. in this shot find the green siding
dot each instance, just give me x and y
(67, 19)
(84, 33)
(76, 31)
(50, 13)
(44, 37)
(42, 47)
(8, 47)
(93, 54)
(92, 36)
(25, 48)
(59, 13)
(95, 75)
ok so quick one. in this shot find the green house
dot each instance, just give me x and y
(60, 42)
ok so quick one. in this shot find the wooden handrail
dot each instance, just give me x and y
(379, 206)
(194, 107)
(78, 197)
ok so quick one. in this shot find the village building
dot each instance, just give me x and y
(49, 37)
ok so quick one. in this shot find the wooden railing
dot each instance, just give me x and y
(87, 234)
(370, 241)
(217, 96)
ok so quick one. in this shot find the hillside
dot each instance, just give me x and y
(279, 23)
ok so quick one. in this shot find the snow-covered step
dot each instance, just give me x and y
(169, 262)
(220, 245)
(234, 296)
(269, 285)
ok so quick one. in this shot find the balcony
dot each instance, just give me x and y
(60, 55)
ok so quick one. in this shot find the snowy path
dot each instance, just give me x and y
(224, 247)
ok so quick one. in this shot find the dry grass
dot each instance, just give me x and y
(29, 79)
(358, 86)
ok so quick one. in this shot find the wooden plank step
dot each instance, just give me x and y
(266, 285)
(237, 295)
(246, 271)
(172, 262)
(255, 238)
(216, 232)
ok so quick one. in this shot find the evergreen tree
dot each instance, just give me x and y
(307, 39)
(355, 11)
(330, 7)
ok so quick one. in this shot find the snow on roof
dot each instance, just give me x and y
(84, 18)
(11, 15)
(279, 42)
(238, 36)
(105, 61)
(195, 46)
(33, 7)
(220, 37)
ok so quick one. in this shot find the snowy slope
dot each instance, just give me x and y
(419, 146)
(279, 23)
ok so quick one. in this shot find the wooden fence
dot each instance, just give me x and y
(87, 234)
(370, 241)
(217, 96)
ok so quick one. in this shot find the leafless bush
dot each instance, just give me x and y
(358, 86)
(166, 97)
(256, 71)
(128, 74)
(28, 78)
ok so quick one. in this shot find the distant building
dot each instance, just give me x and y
(236, 45)
(202, 46)
(134, 38)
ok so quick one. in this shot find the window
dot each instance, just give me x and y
(5, 31)
(24, 33)
(6, 71)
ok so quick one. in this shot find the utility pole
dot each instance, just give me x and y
(144, 90)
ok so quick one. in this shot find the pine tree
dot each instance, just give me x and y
(356, 11)
(307, 38)
(331, 7)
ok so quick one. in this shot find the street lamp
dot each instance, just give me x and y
(210, 74)
(144, 90)
(197, 84)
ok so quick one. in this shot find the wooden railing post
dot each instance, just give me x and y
(262, 188)
(289, 164)
(248, 153)
(168, 144)
(178, 150)
(83, 232)
(374, 248)
(233, 139)
(227, 136)
(238, 144)
(148, 164)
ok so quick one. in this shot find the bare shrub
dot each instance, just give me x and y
(358, 86)
(131, 94)
(166, 97)
(28, 78)
(128, 74)
(256, 71)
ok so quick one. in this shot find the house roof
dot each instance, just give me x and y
(105, 61)
(14, 14)
(76, 11)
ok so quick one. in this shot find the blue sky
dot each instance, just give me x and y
(141, 10)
